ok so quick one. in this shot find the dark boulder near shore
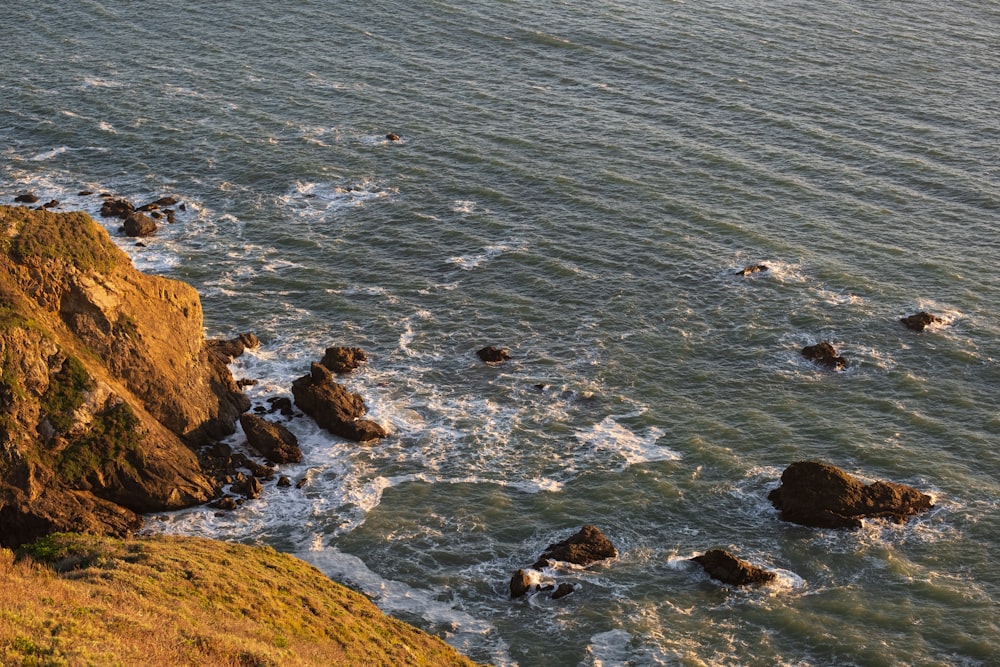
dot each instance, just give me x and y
(920, 321)
(823, 496)
(727, 568)
(586, 547)
(343, 359)
(826, 355)
(333, 407)
(139, 224)
(273, 441)
(753, 268)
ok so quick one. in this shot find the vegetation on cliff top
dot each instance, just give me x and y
(71, 237)
(79, 599)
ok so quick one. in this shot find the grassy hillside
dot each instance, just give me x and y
(84, 600)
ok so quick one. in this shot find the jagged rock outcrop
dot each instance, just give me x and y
(920, 321)
(825, 354)
(727, 568)
(343, 359)
(333, 407)
(493, 355)
(274, 442)
(107, 383)
(752, 269)
(584, 548)
(824, 496)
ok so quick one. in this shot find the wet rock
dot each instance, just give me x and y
(162, 202)
(343, 359)
(281, 404)
(301, 483)
(274, 442)
(586, 547)
(823, 496)
(227, 503)
(920, 321)
(493, 355)
(520, 584)
(284, 482)
(170, 214)
(243, 383)
(138, 224)
(392, 136)
(251, 488)
(824, 354)
(52, 203)
(563, 590)
(116, 208)
(229, 349)
(333, 407)
(26, 198)
(84, 193)
(753, 268)
(727, 568)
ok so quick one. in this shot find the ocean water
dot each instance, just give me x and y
(577, 182)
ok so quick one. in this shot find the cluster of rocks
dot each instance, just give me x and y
(824, 353)
(136, 220)
(317, 394)
(812, 493)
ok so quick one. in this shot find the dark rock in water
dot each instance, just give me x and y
(333, 407)
(281, 404)
(586, 547)
(227, 503)
(392, 136)
(26, 198)
(84, 193)
(243, 383)
(170, 214)
(251, 488)
(824, 354)
(301, 483)
(753, 268)
(520, 584)
(563, 590)
(274, 442)
(116, 208)
(824, 496)
(284, 482)
(343, 359)
(493, 355)
(52, 203)
(229, 349)
(729, 569)
(920, 321)
(162, 202)
(138, 224)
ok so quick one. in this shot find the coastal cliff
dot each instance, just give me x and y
(107, 383)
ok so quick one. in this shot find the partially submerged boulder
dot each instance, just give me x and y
(343, 359)
(274, 442)
(230, 348)
(333, 407)
(825, 354)
(920, 321)
(588, 546)
(753, 268)
(823, 496)
(139, 224)
(493, 355)
(727, 568)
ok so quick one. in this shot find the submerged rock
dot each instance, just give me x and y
(824, 496)
(753, 268)
(493, 355)
(343, 359)
(116, 208)
(727, 568)
(333, 407)
(920, 321)
(589, 545)
(231, 348)
(824, 354)
(27, 198)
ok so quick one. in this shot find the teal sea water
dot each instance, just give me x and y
(577, 182)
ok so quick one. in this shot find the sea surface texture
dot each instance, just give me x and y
(578, 182)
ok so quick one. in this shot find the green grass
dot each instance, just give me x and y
(86, 600)
(71, 237)
(112, 437)
(66, 393)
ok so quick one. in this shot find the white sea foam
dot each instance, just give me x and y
(609, 435)
(463, 206)
(487, 253)
(311, 200)
(608, 649)
(47, 155)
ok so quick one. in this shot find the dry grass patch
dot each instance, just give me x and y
(84, 600)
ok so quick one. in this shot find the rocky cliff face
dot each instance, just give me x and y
(107, 383)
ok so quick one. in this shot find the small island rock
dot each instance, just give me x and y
(493, 355)
(824, 354)
(823, 496)
(343, 359)
(333, 407)
(275, 442)
(920, 321)
(727, 568)
(586, 547)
